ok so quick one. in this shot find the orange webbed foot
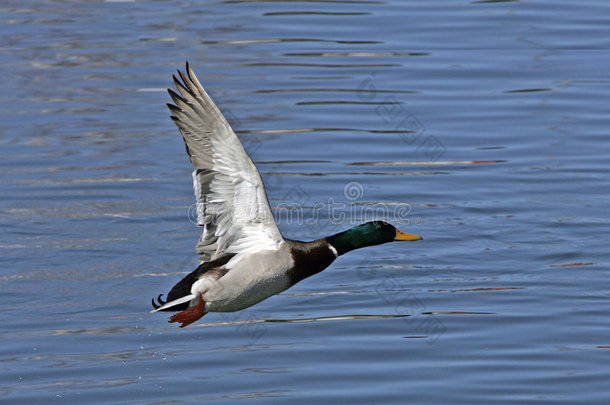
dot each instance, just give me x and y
(190, 315)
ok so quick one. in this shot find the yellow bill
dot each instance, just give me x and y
(400, 235)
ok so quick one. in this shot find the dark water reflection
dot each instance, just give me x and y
(482, 126)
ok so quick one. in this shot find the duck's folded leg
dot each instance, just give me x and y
(190, 315)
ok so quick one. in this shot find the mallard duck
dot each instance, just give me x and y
(245, 258)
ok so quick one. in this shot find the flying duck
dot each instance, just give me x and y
(245, 259)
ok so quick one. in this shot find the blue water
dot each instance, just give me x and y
(480, 125)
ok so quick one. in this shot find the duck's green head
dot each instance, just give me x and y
(368, 234)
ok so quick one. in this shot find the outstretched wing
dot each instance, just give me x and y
(232, 205)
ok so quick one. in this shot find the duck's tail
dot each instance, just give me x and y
(169, 306)
(180, 294)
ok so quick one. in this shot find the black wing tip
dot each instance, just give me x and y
(176, 98)
(173, 94)
(173, 108)
(185, 79)
(179, 85)
(189, 71)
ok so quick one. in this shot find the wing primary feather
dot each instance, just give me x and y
(174, 109)
(232, 205)
(176, 97)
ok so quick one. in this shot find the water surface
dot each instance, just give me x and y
(482, 126)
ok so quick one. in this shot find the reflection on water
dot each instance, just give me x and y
(273, 40)
(318, 319)
(494, 145)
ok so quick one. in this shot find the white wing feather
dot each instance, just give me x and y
(232, 205)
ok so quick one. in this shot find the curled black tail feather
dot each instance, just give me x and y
(159, 302)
